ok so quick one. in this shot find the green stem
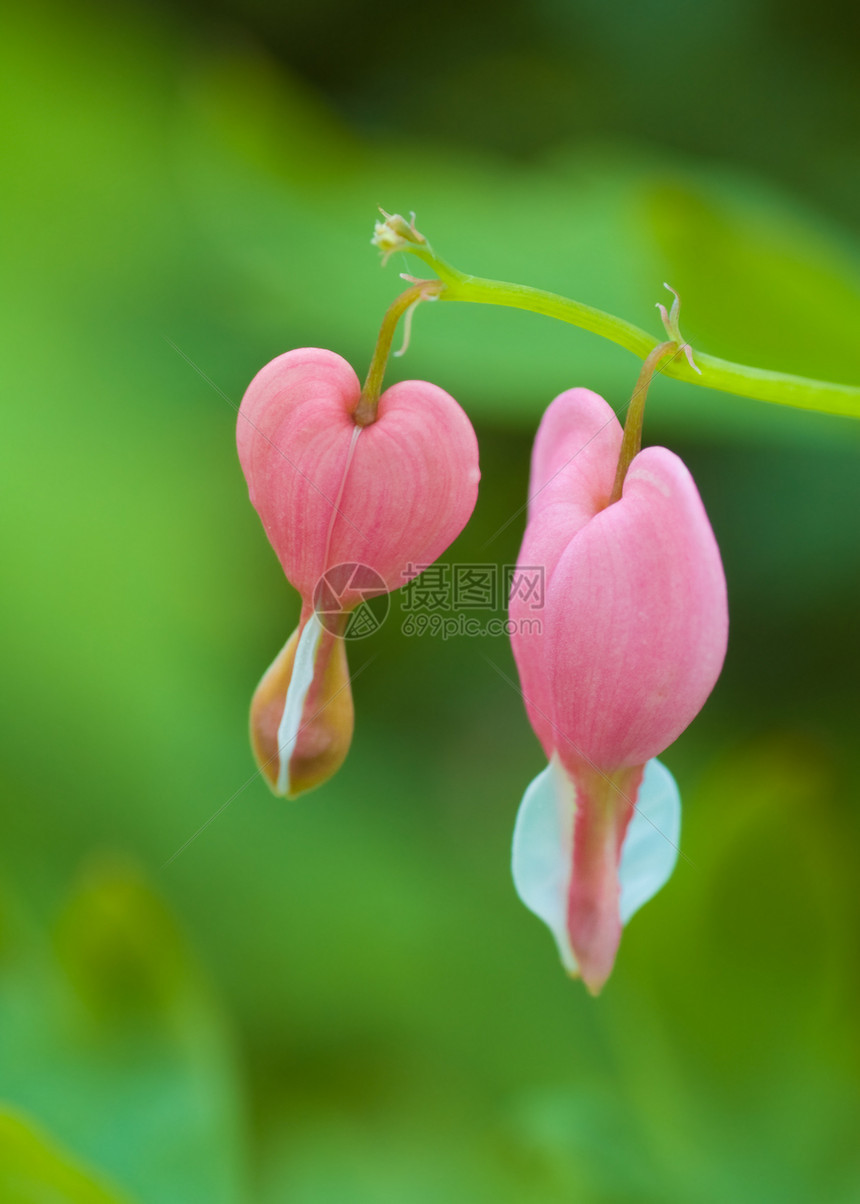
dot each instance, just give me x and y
(368, 403)
(631, 443)
(759, 383)
(537, 301)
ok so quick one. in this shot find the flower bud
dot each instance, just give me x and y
(301, 746)
(395, 234)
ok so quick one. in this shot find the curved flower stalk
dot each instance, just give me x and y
(396, 234)
(357, 503)
(622, 656)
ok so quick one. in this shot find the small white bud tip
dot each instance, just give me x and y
(395, 234)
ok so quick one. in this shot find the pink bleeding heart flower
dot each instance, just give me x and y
(358, 505)
(620, 658)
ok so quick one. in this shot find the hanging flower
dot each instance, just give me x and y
(350, 509)
(619, 659)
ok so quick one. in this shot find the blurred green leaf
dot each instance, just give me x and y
(763, 283)
(34, 1171)
(109, 1036)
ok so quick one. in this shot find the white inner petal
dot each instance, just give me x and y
(543, 852)
(650, 847)
(542, 857)
(297, 692)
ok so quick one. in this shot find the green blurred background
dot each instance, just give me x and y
(341, 1000)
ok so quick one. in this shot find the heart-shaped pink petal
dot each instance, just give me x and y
(391, 496)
